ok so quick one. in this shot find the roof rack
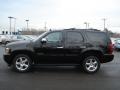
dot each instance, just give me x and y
(93, 30)
(83, 29)
(71, 29)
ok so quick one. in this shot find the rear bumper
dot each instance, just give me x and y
(7, 58)
(107, 58)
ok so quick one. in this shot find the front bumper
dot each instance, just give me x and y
(7, 58)
(107, 58)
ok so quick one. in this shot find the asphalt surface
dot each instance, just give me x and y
(61, 78)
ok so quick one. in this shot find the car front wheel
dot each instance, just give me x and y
(22, 63)
(91, 64)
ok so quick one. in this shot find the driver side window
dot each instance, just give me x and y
(54, 37)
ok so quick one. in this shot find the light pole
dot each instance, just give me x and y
(88, 24)
(104, 23)
(10, 23)
(14, 25)
(45, 26)
(27, 24)
(85, 24)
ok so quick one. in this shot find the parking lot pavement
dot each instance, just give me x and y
(61, 78)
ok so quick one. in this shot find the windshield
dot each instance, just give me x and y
(40, 36)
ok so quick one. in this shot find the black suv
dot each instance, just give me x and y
(80, 47)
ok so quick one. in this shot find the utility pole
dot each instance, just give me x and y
(10, 23)
(27, 24)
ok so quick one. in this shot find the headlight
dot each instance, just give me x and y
(7, 50)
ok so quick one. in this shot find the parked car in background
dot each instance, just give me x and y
(117, 44)
(4, 39)
(1, 39)
(113, 40)
(20, 37)
(31, 36)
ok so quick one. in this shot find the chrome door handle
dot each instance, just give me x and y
(83, 47)
(59, 47)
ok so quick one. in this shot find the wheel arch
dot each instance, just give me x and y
(26, 52)
(98, 53)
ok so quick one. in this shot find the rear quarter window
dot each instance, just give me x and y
(100, 37)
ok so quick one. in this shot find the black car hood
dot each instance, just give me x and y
(20, 45)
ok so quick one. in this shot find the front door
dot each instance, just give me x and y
(52, 50)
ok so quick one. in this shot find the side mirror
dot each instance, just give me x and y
(44, 40)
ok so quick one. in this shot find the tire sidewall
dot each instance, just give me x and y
(14, 63)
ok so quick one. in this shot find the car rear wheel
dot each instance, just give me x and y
(91, 64)
(22, 63)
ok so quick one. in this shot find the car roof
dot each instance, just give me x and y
(81, 30)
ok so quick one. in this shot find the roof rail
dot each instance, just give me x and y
(93, 30)
(70, 29)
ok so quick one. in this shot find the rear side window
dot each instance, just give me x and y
(74, 37)
(97, 36)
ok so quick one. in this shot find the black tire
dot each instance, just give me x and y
(91, 63)
(22, 63)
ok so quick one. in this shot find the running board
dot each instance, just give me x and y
(55, 64)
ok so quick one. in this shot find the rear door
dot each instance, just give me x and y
(73, 45)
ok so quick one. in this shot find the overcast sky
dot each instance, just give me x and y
(61, 13)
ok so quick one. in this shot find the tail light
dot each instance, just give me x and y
(110, 48)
